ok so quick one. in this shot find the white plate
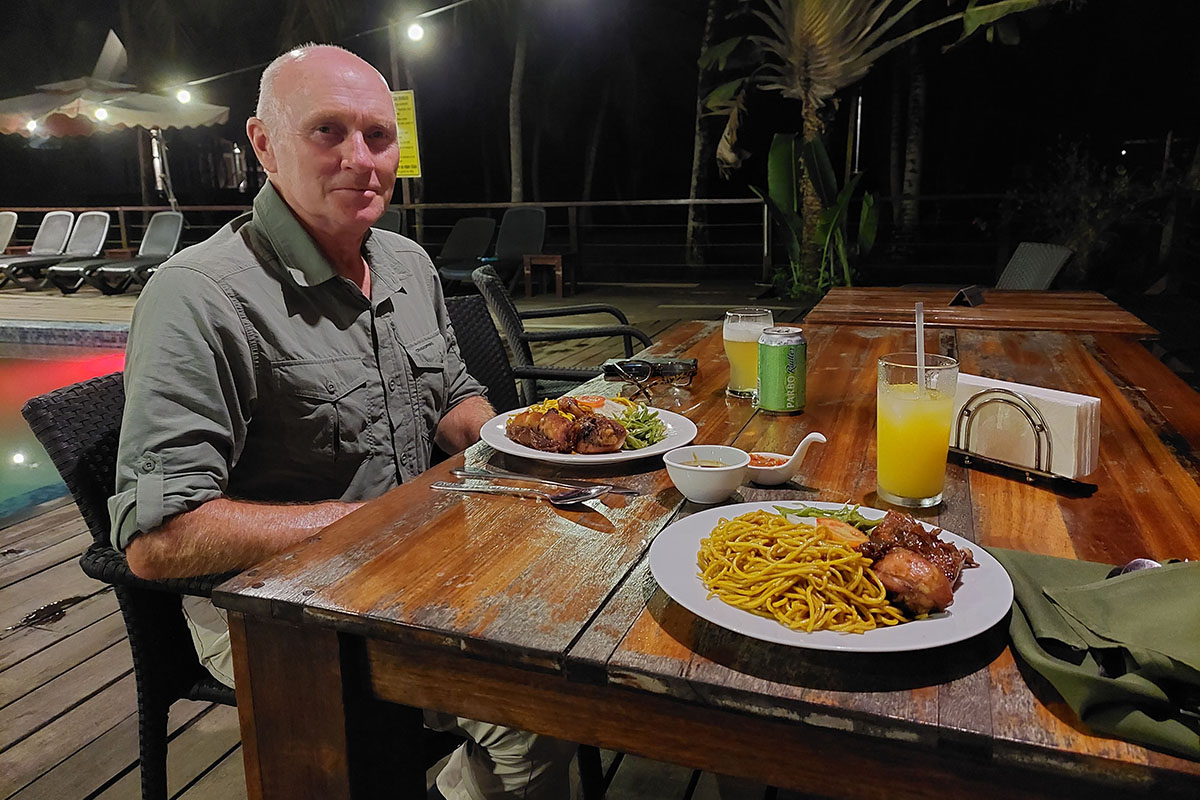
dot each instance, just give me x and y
(680, 431)
(982, 599)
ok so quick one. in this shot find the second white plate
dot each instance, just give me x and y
(680, 431)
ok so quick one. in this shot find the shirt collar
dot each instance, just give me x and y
(296, 250)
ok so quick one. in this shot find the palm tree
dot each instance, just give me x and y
(814, 48)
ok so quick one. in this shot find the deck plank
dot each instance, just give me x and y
(62, 582)
(25, 716)
(113, 753)
(21, 644)
(226, 781)
(35, 755)
(32, 562)
(27, 675)
(192, 752)
(44, 529)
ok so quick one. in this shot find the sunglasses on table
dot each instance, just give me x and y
(643, 375)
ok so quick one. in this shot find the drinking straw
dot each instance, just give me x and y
(920, 349)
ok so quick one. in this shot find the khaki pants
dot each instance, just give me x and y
(494, 763)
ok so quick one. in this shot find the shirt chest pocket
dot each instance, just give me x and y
(323, 407)
(426, 357)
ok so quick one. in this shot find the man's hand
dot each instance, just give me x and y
(459, 429)
(223, 535)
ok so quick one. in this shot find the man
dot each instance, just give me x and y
(294, 365)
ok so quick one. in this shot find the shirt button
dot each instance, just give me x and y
(329, 386)
(391, 384)
(147, 466)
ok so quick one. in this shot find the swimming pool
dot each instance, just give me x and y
(28, 481)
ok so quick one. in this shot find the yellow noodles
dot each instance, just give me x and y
(769, 566)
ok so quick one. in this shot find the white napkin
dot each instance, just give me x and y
(1002, 432)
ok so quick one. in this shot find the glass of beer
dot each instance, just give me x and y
(742, 329)
(913, 428)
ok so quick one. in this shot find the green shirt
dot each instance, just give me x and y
(254, 371)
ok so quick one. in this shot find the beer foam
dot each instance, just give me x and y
(743, 331)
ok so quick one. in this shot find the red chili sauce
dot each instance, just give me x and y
(759, 460)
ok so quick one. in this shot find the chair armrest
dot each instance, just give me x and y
(627, 331)
(557, 373)
(569, 311)
(109, 566)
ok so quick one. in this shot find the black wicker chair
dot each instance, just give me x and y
(482, 351)
(79, 426)
(537, 382)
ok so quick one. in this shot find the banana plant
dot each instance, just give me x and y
(831, 235)
(838, 249)
(809, 50)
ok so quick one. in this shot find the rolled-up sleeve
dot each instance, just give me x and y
(189, 391)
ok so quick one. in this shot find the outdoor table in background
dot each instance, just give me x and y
(547, 619)
(1082, 312)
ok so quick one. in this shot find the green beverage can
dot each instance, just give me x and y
(782, 363)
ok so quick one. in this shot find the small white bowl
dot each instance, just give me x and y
(707, 484)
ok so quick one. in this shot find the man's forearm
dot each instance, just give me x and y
(459, 429)
(223, 535)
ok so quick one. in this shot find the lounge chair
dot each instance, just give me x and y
(522, 233)
(538, 383)
(86, 242)
(8, 224)
(113, 277)
(466, 244)
(1034, 266)
(50, 240)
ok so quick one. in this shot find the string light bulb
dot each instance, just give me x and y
(416, 32)
(101, 114)
(183, 96)
(31, 126)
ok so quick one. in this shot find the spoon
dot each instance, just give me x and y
(772, 476)
(566, 497)
(1133, 566)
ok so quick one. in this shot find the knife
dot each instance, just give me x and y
(563, 482)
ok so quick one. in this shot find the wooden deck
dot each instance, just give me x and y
(68, 722)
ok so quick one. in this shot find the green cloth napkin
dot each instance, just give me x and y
(1123, 652)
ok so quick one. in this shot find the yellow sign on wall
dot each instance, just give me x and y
(406, 131)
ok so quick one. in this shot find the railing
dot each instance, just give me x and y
(625, 241)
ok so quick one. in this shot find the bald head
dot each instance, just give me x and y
(301, 62)
(326, 135)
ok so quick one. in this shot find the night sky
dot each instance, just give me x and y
(1099, 74)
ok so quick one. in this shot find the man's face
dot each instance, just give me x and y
(332, 154)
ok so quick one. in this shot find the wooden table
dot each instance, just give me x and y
(545, 619)
(1082, 312)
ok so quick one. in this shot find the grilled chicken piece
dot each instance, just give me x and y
(898, 529)
(549, 432)
(913, 581)
(599, 434)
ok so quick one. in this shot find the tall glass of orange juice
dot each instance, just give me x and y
(743, 326)
(913, 428)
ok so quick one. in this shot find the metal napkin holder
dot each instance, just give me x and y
(1039, 474)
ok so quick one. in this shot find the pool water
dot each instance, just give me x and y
(28, 479)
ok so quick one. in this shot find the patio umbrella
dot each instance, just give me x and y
(87, 106)
(96, 105)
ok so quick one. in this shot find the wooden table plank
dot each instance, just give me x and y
(1001, 310)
